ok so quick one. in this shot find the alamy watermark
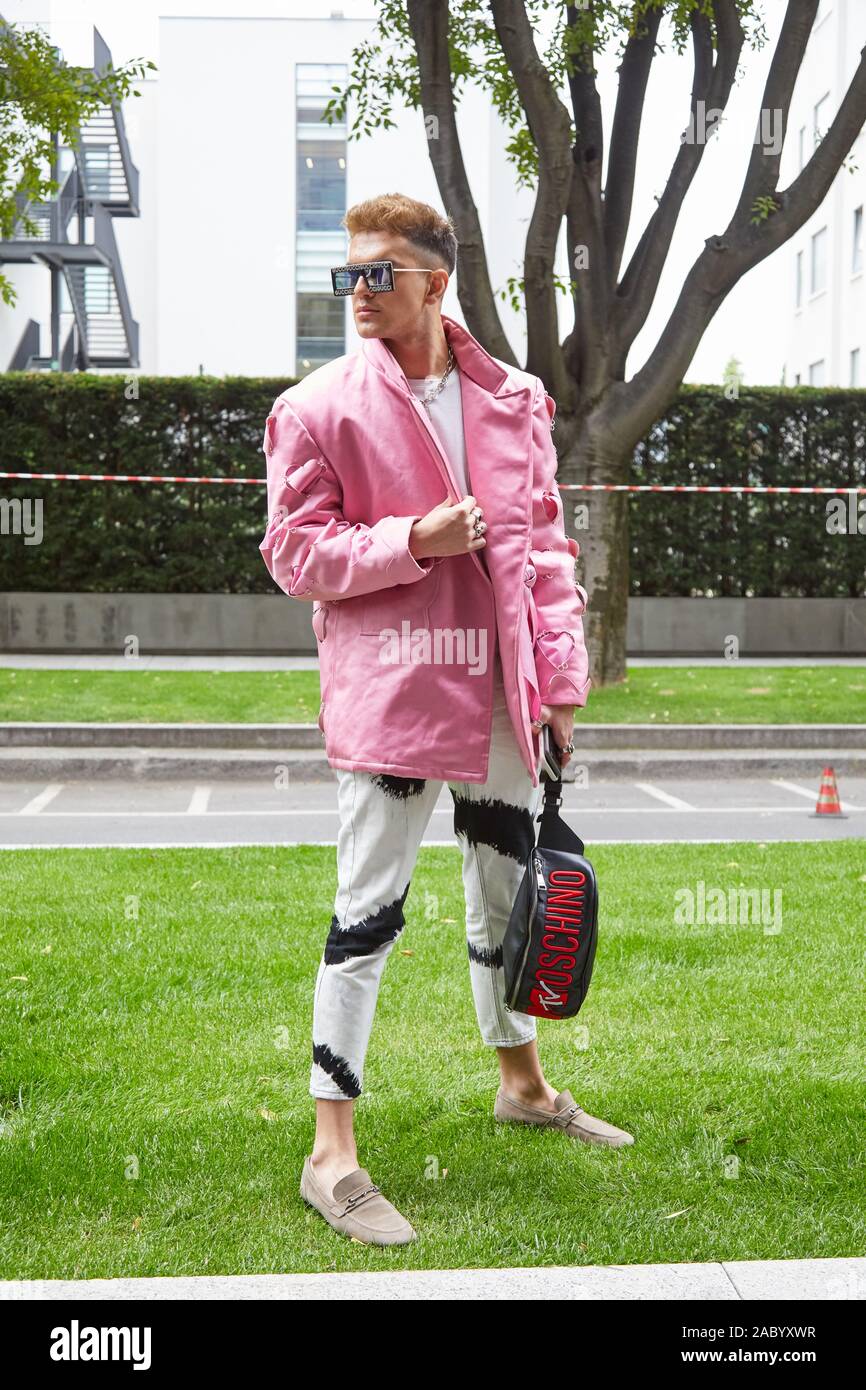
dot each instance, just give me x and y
(438, 646)
(705, 120)
(846, 516)
(22, 516)
(718, 907)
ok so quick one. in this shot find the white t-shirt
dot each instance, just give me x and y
(446, 416)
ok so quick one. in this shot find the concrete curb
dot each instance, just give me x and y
(32, 734)
(731, 1281)
(17, 734)
(227, 764)
(162, 764)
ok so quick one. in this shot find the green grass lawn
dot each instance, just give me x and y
(154, 1114)
(665, 694)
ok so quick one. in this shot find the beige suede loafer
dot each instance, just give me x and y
(357, 1208)
(568, 1116)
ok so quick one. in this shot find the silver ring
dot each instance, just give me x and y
(480, 528)
(477, 512)
(569, 747)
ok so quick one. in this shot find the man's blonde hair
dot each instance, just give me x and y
(421, 225)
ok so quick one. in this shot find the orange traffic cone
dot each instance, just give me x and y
(828, 803)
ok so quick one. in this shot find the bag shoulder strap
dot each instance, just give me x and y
(554, 833)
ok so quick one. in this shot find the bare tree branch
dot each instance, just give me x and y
(725, 260)
(585, 101)
(550, 127)
(805, 195)
(713, 83)
(586, 349)
(634, 74)
(762, 174)
(429, 24)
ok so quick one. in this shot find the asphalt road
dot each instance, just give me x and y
(112, 813)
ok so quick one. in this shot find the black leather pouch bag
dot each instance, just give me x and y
(550, 941)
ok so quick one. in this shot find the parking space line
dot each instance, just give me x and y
(569, 808)
(674, 801)
(198, 801)
(809, 793)
(34, 807)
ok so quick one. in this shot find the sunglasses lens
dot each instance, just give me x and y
(379, 277)
(345, 279)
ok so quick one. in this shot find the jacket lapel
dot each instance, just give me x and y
(498, 458)
(498, 432)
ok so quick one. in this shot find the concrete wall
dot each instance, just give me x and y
(272, 624)
(762, 626)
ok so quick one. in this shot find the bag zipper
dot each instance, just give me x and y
(538, 868)
(539, 872)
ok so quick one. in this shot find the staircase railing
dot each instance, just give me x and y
(102, 183)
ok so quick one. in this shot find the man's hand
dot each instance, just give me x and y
(561, 721)
(448, 530)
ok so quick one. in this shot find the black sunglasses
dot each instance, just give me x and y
(379, 276)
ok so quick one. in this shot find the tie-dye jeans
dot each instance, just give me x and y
(382, 823)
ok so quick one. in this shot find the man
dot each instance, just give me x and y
(412, 500)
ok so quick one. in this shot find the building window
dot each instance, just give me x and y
(321, 327)
(817, 372)
(854, 368)
(797, 379)
(818, 278)
(820, 119)
(321, 184)
(801, 146)
(320, 201)
(857, 251)
(798, 276)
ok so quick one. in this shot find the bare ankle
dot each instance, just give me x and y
(334, 1156)
(530, 1090)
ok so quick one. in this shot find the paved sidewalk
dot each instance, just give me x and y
(732, 1281)
(47, 662)
(21, 661)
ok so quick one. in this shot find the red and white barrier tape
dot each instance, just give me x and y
(696, 487)
(563, 487)
(128, 478)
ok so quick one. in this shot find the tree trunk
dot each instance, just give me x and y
(598, 521)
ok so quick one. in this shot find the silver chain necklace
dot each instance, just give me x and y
(434, 391)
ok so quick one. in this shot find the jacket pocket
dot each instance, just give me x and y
(389, 608)
(302, 478)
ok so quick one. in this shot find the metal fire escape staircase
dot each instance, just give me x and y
(102, 185)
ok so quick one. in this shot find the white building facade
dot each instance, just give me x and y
(827, 306)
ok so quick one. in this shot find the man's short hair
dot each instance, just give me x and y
(421, 225)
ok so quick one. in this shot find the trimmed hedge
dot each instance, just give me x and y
(750, 545)
(148, 537)
(181, 538)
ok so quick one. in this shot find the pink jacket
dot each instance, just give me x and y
(406, 648)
